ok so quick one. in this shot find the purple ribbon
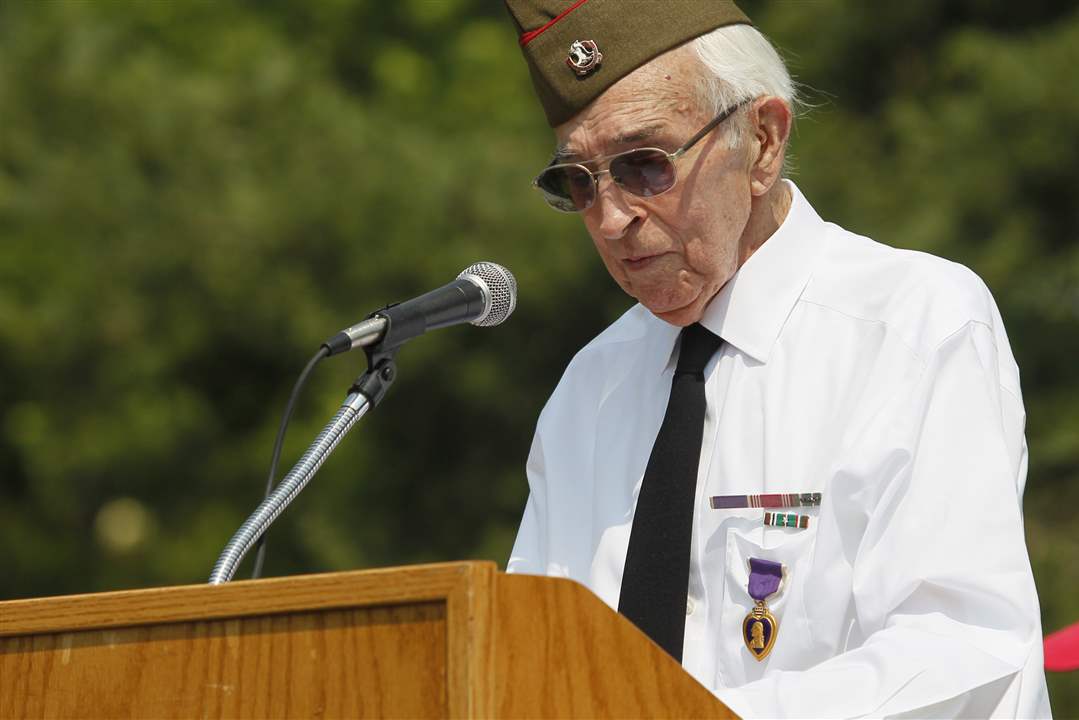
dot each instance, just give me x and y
(764, 578)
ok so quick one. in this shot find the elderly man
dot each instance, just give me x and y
(797, 463)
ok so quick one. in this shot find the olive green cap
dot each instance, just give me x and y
(576, 49)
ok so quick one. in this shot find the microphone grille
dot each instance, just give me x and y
(501, 291)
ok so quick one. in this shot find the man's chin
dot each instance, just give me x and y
(680, 316)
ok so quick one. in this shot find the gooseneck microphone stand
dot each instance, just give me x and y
(366, 393)
(483, 294)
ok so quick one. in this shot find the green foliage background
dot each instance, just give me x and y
(193, 195)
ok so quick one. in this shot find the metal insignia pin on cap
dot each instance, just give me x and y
(632, 32)
(584, 57)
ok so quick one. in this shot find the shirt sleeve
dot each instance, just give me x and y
(946, 613)
(529, 550)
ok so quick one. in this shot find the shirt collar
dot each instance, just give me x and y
(750, 310)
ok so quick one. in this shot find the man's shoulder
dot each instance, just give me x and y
(633, 326)
(609, 357)
(618, 340)
(922, 297)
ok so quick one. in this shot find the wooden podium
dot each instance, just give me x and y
(447, 640)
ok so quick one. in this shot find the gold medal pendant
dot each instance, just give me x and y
(760, 627)
(759, 631)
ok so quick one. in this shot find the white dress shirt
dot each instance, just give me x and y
(882, 379)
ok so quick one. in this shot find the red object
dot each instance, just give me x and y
(533, 34)
(1062, 650)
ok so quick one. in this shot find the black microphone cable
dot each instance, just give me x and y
(260, 547)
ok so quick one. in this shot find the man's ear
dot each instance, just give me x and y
(770, 126)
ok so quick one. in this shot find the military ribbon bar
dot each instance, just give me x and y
(786, 520)
(773, 500)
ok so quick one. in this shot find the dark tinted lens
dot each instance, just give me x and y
(645, 172)
(568, 188)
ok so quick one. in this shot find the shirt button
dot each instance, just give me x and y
(690, 606)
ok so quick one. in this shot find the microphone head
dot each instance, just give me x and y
(499, 290)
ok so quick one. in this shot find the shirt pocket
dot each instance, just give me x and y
(744, 539)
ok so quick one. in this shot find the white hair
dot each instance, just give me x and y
(740, 64)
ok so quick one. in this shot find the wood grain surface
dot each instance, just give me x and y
(242, 597)
(446, 640)
(370, 662)
(561, 652)
(372, 643)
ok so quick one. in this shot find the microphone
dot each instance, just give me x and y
(484, 294)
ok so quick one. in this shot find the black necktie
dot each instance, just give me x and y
(655, 583)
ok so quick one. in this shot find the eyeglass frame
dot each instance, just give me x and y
(671, 157)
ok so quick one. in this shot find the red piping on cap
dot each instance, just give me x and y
(533, 34)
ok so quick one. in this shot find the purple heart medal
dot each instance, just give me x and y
(760, 627)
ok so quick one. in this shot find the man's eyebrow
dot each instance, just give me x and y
(637, 134)
(563, 153)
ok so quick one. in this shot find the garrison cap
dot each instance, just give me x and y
(576, 49)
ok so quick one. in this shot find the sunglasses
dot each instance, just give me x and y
(644, 172)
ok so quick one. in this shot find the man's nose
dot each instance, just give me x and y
(616, 213)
